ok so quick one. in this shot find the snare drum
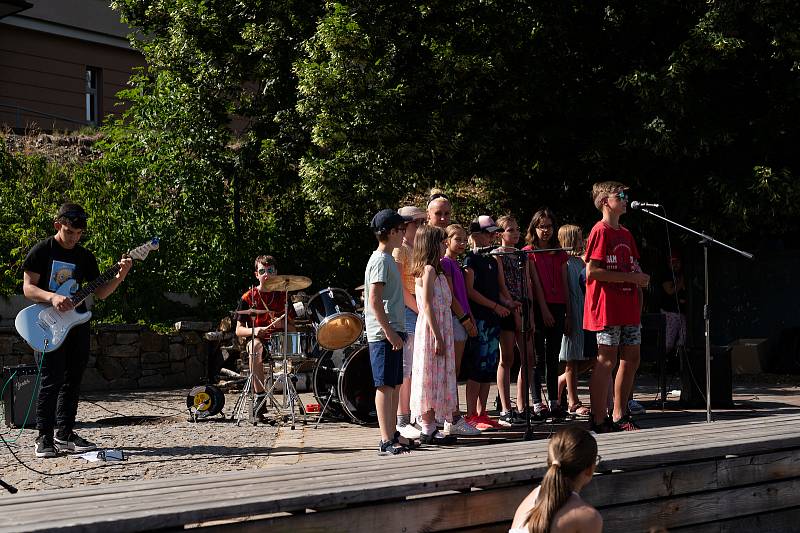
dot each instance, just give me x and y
(298, 345)
(333, 312)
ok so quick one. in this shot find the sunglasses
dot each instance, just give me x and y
(622, 196)
(269, 270)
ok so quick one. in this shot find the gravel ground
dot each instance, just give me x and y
(153, 429)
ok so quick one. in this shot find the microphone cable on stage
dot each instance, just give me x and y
(681, 350)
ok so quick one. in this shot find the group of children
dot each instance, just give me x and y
(423, 308)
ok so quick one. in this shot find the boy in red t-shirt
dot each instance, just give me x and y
(612, 307)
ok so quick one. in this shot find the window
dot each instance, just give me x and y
(93, 95)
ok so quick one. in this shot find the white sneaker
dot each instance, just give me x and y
(409, 431)
(461, 428)
(635, 408)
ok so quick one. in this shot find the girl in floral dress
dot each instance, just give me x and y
(434, 392)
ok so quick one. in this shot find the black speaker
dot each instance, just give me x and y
(693, 378)
(654, 335)
(21, 391)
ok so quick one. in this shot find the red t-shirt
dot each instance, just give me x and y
(273, 301)
(548, 267)
(611, 304)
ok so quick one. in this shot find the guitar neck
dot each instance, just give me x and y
(89, 288)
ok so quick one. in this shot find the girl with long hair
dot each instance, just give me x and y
(552, 318)
(434, 392)
(578, 354)
(510, 275)
(556, 506)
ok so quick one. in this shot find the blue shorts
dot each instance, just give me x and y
(484, 356)
(620, 335)
(411, 321)
(387, 364)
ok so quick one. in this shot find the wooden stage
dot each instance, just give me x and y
(739, 473)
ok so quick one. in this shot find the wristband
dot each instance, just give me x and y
(464, 318)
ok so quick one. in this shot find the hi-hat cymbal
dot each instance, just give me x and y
(287, 282)
(359, 288)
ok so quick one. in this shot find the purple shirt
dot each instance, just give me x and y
(453, 270)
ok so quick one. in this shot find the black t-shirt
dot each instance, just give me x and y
(485, 282)
(55, 265)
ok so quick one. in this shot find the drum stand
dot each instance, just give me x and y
(248, 395)
(290, 396)
(325, 407)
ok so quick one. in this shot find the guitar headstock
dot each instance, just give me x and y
(141, 252)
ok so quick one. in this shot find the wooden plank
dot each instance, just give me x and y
(260, 485)
(702, 508)
(612, 489)
(457, 511)
(772, 522)
(287, 473)
(255, 483)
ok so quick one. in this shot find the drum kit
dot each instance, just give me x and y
(333, 343)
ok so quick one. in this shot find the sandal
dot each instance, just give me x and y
(392, 448)
(438, 439)
(579, 410)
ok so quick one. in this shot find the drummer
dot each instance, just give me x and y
(259, 310)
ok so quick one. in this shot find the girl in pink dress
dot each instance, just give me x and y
(434, 393)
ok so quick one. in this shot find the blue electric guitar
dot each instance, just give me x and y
(44, 327)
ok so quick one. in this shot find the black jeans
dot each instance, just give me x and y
(62, 371)
(548, 346)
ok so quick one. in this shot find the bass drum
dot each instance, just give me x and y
(343, 380)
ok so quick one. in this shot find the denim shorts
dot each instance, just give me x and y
(387, 364)
(408, 355)
(484, 355)
(411, 321)
(459, 332)
(620, 335)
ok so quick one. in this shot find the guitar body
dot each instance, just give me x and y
(43, 327)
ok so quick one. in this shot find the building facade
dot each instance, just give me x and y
(62, 63)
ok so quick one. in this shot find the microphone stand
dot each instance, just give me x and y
(706, 241)
(522, 261)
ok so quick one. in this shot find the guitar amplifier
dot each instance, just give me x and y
(19, 393)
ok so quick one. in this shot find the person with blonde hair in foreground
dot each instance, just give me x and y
(555, 506)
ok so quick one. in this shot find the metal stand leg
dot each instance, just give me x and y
(324, 407)
(248, 397)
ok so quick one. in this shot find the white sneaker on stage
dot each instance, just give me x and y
(409, 431)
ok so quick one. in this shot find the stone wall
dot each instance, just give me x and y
(129, 356)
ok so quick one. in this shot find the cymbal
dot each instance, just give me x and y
(252, 312)
(359, 288)
(287, 282)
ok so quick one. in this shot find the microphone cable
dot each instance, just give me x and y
(681, 349)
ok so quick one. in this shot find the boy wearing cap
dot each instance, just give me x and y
(483, 289)
(48, 265)
(403, 255)
(384, 316)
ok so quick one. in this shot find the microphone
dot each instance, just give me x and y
(639, 205)
(485, 250)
